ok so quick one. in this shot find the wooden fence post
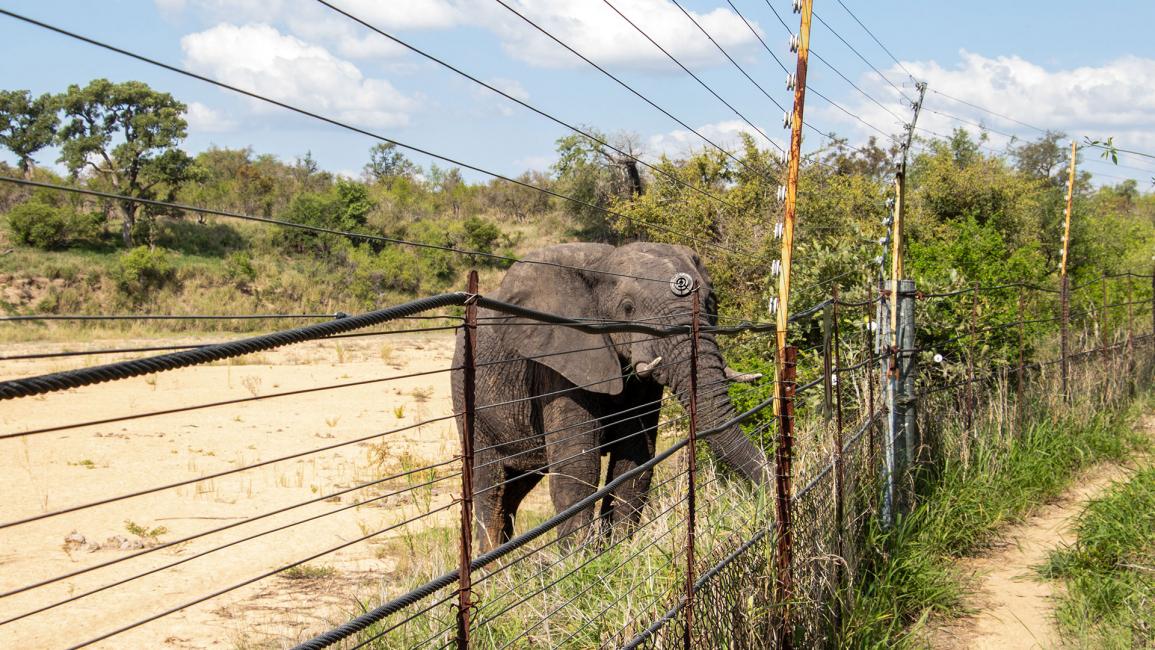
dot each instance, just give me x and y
(1064, 283)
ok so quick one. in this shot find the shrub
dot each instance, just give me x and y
(239, 268)
(143, 269)
(480, 235)
(39, 225)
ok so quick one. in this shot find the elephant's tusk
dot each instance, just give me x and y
(644, 369)
(742, 377)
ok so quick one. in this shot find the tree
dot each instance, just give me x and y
(386, 164)
(27, 125)
(1043, 159)
(127, 134)
(346, 206)
(595, 175)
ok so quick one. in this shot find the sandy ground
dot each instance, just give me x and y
(1013, 607)
(46, 472)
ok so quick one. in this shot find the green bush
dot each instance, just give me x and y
(143, 269)
(40, 225)
(480, 235)
(239, 268)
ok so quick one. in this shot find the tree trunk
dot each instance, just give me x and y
(128, 212)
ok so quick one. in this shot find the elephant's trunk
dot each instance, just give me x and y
(730, 445)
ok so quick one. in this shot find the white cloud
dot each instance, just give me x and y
(1117, 98)
(539, 163)
(218, 10)
(593, 29)
(348, 38)
(409, 14)
(314, 22)
(511, 87)
(259, 58)
(487, 100)
(681, 143)
(202, 118)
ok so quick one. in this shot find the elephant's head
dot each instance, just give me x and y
(630, 283)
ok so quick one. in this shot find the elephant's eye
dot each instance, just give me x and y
(628, 308)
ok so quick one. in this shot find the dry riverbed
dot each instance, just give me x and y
(46, 472)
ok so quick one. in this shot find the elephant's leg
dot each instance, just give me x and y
(518, 485)
(574, 458)
(489, 489)
(623, 507)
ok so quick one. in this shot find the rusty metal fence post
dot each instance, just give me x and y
(1064, 334)
(692, 469)
(1130, 349)
(783, 459)
(469, 388)
(870, 325)
(973, 338)
(1019, 372)
(1103, 321)
(839, 507)
(827, 374)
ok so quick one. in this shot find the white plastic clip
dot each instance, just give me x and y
(775, 268)
(795, 43)
(773, 305)
(778, 230)
(781, 193)
(787, 120)
(791, 81)
(797, 6)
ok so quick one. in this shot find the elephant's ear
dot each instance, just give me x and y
(587, 360)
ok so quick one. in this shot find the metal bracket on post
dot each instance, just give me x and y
(469, 388)
(692, 469)
(783, 460)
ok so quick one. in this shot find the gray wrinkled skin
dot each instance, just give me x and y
(553, 411)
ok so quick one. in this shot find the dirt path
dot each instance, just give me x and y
(1013, 607)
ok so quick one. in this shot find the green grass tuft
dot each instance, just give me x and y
(1110, 571)
(908, 571)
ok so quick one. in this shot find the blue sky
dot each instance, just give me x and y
(1084, 68)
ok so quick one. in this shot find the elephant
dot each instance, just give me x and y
(552, 400)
